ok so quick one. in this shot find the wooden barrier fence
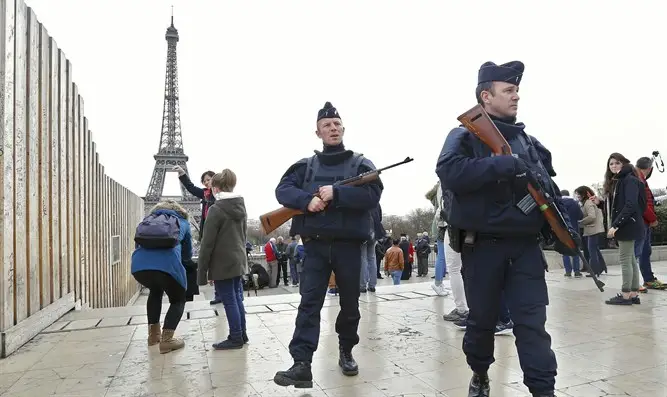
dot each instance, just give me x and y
(66, 228)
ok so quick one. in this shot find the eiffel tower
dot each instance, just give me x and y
(170, 152)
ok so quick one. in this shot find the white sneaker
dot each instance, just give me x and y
(440, 290)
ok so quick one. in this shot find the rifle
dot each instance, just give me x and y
(272, 220)
(478, 122)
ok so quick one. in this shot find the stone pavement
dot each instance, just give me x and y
(406, 349)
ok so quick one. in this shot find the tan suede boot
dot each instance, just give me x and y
(169, 343)
(153, 334)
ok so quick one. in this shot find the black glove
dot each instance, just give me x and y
(567, 251)
(524, 175)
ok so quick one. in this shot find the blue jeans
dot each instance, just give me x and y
(596, 259)
(571, 263)
(643, 253)
(440, 264)
(293, 272)
(231, 294)
(368, 265)
(396, 276)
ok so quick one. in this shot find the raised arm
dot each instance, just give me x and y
(590, 213)
(462, 173)
(190, 187)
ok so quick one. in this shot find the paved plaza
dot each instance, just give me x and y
(406, 349)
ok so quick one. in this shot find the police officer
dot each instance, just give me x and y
(336, 222)
(499, 243)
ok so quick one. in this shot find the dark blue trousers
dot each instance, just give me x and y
(513, 267)
(321, 257)
(230, 292)
(504, 311)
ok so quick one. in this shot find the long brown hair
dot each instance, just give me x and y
(608, 175)
(584, 192)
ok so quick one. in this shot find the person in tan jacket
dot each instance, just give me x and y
(394, 262)
(593, 224)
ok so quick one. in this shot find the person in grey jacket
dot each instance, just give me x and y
(222, 255)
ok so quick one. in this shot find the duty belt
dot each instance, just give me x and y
(328, 239)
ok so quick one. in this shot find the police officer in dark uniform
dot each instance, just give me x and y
(499, 243)
(336, 222)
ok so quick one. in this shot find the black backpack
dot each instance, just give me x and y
(158, 231)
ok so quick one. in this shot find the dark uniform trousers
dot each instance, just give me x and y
(321, 257)
(514, 266)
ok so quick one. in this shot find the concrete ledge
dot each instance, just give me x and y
(555, 260)
(23, 332)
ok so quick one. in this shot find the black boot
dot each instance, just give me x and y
(231, 343)
(347, 364)
(544, 394)
(299, 376)
(245, 337)
(479, 386)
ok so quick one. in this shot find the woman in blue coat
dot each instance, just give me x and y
(162, 271)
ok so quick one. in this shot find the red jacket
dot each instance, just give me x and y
(649, 212)
(268, 250)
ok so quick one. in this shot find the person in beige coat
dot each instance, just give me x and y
(593, 225)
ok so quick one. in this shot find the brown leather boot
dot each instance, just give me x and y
(169, 343)
(153, 334)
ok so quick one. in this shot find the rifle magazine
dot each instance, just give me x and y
(527, 204)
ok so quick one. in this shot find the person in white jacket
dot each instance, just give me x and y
(447, 259)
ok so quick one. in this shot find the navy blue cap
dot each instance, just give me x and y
(328, 112)
(510, 72)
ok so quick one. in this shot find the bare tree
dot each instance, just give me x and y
(257, 237)
(659, 192)
(416, 221)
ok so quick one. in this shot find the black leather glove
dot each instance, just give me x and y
(564, 250)
(524, 175)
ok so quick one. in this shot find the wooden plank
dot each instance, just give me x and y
(20, 188)
(115, 287)
(89, 217)
(45, 258)
(73, 185)
(62, 171)
(106, 262)
(7, 162)
(98, 219)
(83, 155)
(33, 136)
(70, 179)
(54, 174)
(17, 336)
(124, 247)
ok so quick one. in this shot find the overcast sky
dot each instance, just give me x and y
(253, 74)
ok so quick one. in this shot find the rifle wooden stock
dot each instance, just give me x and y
(478, 122)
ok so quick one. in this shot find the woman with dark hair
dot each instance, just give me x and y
(625, 201)
(207, 200)
(205, 194)
(593, 225)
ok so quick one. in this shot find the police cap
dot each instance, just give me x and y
(328, 112)
(510, 72)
